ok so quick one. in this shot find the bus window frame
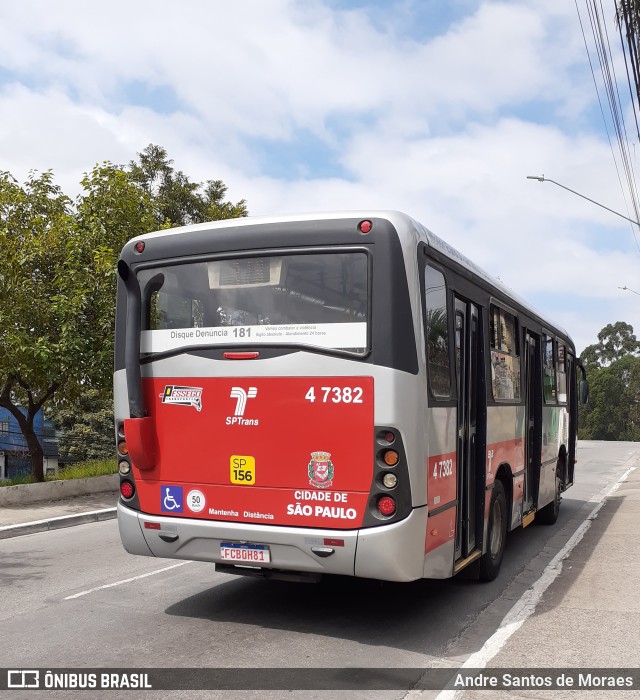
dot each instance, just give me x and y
(256, 253)
(558, 342)
(545, 336)
(517, 317)
(425, 259)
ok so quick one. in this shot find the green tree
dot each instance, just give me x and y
(43, 302)
(615, 341)
(613, 371)
(58, 278)
(176, 200)
(86, 427)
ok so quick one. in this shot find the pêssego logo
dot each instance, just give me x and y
(183, 396)
(241, 397)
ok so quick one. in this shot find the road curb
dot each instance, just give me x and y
(56, 523)
(28, 494)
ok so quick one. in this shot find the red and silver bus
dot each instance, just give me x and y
(342, 393)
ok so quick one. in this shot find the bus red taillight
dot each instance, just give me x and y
(127, 489)
(365, 226)
(386, 506)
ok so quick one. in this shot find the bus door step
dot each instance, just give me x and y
(460, 564)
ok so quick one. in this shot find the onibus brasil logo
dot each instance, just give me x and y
(183, 396)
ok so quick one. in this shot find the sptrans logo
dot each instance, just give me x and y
(183, 396)
(241, 397)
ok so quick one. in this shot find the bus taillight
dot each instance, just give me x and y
(386, 506)
(127, 489)
(391, 458)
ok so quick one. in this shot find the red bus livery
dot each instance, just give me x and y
(337, 393)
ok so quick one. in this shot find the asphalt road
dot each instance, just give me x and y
(75, 598)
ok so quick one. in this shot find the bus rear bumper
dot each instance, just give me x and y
(389, 552)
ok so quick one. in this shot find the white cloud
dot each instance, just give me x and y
(445, 128)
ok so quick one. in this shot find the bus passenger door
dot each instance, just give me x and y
(572, 407)
(467, 378)
(533, 420)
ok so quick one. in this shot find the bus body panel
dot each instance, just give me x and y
(555, 440)
(396, 395)
(260, 449)
(439, 562)
(506, 448)
(384, 553)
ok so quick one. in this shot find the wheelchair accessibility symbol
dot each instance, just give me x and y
(171, 499)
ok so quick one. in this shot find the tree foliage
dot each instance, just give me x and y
(176, 200)
(91, 437)
(613, 371)
(58, 276)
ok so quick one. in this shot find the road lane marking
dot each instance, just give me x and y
(529, 600)
(126, 580)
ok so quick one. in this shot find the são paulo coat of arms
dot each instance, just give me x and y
(320, 470)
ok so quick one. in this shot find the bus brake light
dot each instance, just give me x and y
(387, 506)
(126, 489)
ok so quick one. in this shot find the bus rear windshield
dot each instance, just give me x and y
(317, 299)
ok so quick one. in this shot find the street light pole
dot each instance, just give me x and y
(542, 178)
(628, 289)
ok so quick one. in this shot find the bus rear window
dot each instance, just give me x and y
(318, 299)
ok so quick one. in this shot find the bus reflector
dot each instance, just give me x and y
(240, 355)
(152, 526)
(386, 505)
(332, 542)
(126, 489)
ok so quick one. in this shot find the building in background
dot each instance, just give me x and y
(14, 452)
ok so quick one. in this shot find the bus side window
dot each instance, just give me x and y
(561, 374)
(505, 358)
(437, 328)
(549, 371)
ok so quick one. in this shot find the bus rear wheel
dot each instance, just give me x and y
(496, 534)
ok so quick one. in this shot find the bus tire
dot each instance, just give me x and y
(549, 514)
(496, 534)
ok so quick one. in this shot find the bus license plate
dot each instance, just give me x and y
(245, 553)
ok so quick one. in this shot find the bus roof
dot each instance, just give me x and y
(403, 223)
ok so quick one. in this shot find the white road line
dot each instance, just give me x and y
(529, 600)
(126, 580)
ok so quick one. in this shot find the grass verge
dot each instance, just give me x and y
(80, 470)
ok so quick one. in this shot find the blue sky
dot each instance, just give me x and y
(439, 109)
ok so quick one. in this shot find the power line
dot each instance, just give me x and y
(609, 78)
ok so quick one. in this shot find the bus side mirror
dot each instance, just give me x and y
(584, 391)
